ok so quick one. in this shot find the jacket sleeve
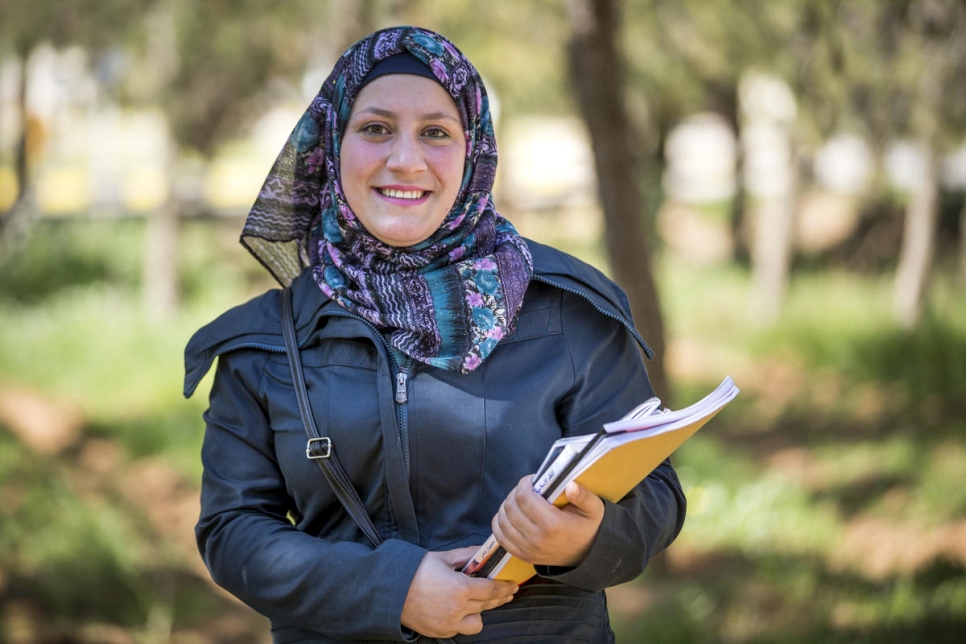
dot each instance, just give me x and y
(252, 549)
(610, 379)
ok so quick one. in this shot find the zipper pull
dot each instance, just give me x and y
(401, 387)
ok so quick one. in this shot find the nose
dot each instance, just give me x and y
(406, 155)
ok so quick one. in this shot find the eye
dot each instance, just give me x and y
(436, 133)
(375, 129)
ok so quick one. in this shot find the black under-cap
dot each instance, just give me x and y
(402, 63)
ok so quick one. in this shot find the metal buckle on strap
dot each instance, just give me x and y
(318, 448)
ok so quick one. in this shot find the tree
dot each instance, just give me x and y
(25, 26)
(886, 69)
(596, 71)
(936, 31)
(691, 56)
(882, 70)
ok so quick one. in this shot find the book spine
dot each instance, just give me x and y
(551, 473)
(485, 559)
(553, 489)
(491, 555)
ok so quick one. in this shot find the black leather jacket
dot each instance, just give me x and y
(432, 453)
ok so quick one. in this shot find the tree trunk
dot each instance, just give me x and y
(160, 267)
(769, 171)
(771, 251)
(917, 250)
(16, 221)
(21, 166)
(160, 284)
(597, 76)
(962, 242)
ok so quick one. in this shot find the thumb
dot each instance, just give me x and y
(457, 557)
(579, 497)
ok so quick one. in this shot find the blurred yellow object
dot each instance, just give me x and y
(233, 183)
(144, 188)
(63, 190)
(8, 187)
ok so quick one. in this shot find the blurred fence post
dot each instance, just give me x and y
(161, 252)
(918, 242)
(770, 176)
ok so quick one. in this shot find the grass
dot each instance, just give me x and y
(825, 504)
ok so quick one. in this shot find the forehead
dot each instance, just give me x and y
(405, 94)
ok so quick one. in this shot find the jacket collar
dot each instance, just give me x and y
(255, 324)
(560, 269)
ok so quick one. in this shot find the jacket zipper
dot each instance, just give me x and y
(401, 378)
(402, 409)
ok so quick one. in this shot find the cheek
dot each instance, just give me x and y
(355, 163)
(448, 166)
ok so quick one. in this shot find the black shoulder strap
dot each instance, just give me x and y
(319, 448)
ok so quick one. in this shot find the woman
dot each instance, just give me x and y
(442, 353)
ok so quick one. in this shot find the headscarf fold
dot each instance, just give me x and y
(446, 301)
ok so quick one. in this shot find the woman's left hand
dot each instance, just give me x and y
(540, 533)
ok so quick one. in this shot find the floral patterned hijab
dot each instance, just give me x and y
(445, 301)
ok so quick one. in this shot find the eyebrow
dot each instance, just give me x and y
(431, 116)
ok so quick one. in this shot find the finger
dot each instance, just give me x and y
(579, 497)
(508, 535)
(524, 509)
(483, 589)
(522, 490)
(526, 504)
(457, 557)
(489, 604)
(471, 624)
(500, 593)
(583, 501)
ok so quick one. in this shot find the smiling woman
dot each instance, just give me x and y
(442, 355)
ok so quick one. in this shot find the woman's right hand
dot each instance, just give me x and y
(443, 602)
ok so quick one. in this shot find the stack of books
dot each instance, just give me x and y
(609, 463)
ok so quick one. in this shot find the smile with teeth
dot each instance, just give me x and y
(401, 194)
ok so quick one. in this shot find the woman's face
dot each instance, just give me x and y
(402, 158)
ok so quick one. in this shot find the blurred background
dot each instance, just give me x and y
(778, 185)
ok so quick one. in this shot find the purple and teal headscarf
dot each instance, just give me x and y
(446, 301)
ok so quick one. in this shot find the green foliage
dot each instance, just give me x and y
(65, 254)
(93, 23)
(74, 543)
(859, 339)
(878, 68)
(209, 64)
(518, 38)
(72, 326)
(777, 598)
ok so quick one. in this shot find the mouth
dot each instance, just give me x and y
(409, 195)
